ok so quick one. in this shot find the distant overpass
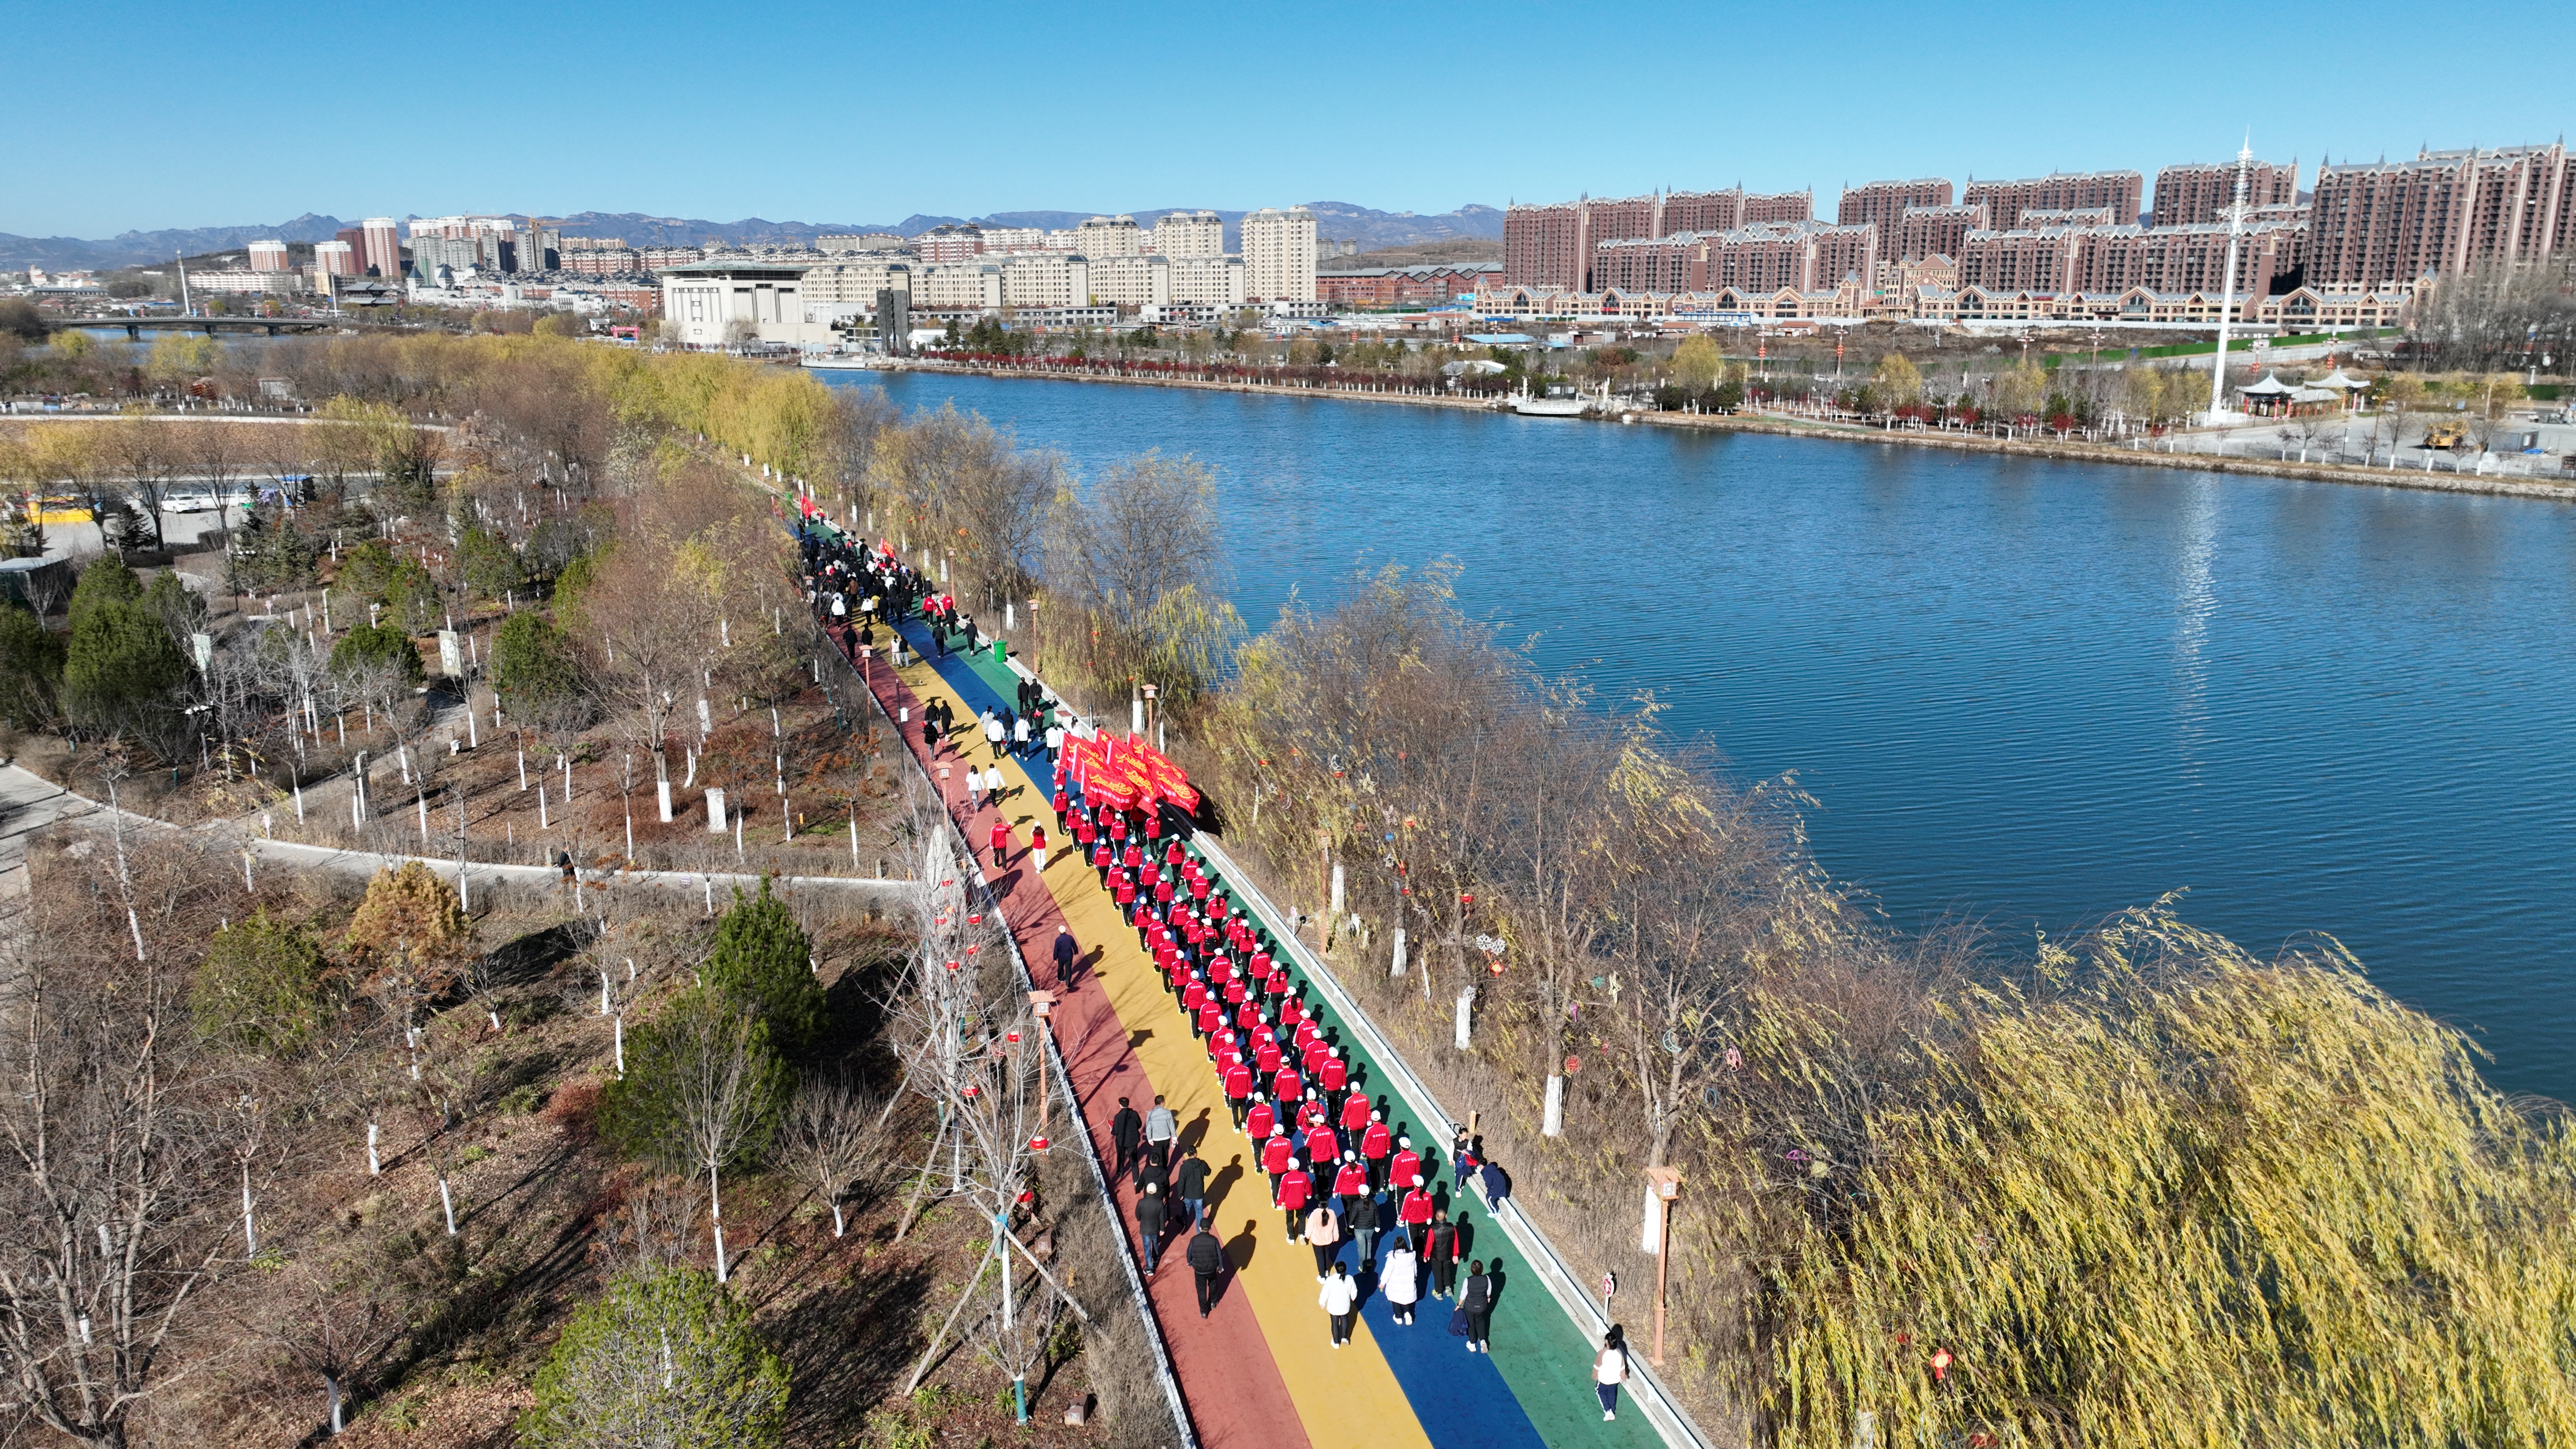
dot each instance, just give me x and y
(135, 327)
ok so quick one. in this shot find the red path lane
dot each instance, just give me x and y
(1228, 1378)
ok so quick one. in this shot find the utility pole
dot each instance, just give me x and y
(186, 307)
(2227, 283)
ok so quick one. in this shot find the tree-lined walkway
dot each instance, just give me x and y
(1261, 1370)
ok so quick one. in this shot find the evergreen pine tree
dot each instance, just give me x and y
(762, 960)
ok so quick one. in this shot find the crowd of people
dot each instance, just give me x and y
(1345, 1181)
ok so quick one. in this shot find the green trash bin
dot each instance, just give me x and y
(1001, 652)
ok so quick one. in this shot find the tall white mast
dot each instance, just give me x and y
(2227, 293)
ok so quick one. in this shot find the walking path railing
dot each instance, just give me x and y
(1661, 1410)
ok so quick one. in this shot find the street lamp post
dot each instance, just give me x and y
(1663, 1186)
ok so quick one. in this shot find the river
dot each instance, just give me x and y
(2023, 691)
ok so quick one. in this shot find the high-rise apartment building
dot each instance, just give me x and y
(946, 245)
(1138, 279)
(1555, 245)
(1109, 236)
(1548, 246)
(1279, 255)
(335, 259)
(1935, 231)
(1190, 234)
(1212, 281)
(2006, 200)
(2390, 222)
(1804, 255)
(862, 241)
(1012, 239)
(1779, 206)
(1883, 204)
(380, 247)
(2196, 192)
(268, 256)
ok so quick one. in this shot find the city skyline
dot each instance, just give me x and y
(1431, 116)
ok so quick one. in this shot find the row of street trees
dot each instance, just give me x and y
(2056, 1179)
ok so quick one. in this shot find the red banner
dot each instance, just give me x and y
(1127, 776)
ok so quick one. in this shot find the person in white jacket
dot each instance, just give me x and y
(1338, 1297)
(1401, 1281)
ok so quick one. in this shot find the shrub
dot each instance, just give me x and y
(31, 668)
(667, 1359)
(374, 644)
(261, 986)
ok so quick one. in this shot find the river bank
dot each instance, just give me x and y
(2065, 451)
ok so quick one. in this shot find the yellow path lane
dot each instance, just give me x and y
(1344, 1397)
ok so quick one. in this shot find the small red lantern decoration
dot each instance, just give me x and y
(1038, 1144)
(975, 920)
(1573, 1065)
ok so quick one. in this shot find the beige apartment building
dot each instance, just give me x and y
(1190, 234)
(1279, 255)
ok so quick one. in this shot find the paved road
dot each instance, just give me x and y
(29, 803)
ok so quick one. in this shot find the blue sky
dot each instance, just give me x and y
(871, 112)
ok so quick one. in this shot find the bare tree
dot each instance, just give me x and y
(723, 1090)
(113, 1203)
(832, 1138)
(335, 1317)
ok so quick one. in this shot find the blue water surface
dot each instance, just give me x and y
(2023, 691)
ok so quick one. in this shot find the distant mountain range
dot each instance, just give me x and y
(1335, 221)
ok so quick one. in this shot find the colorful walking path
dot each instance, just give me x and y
(1261, 1370)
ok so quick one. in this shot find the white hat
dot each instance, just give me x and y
(1417, 1179)
(1350, 1157)
(1292, 1164)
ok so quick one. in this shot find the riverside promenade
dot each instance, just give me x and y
(1261, 1370)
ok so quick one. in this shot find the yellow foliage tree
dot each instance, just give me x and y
(409, 938)
(1897, 381)
(1697, 362)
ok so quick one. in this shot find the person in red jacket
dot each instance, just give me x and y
(1415, 1214)
(1001, 843)
(1356, 1113)
(1335, 1073)
(1260, 1120)
(1294, 1190)
(1240, 1089)
(1351, 1185)
(1211, 1017)
(1407, 1164)
(1277, 1152)
(1287, 1086)
(1376, 1145)
(1314, 1057)
(1265, 1054)
(1322, 1145)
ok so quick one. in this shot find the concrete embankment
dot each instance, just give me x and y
(2068, 451)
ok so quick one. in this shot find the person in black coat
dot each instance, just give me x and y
(1476, 1300)
(1207, 1261)
(1065, 952)
(1149, 1226)
(1126, 1134)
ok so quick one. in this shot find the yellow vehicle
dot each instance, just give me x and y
(2445, 435)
